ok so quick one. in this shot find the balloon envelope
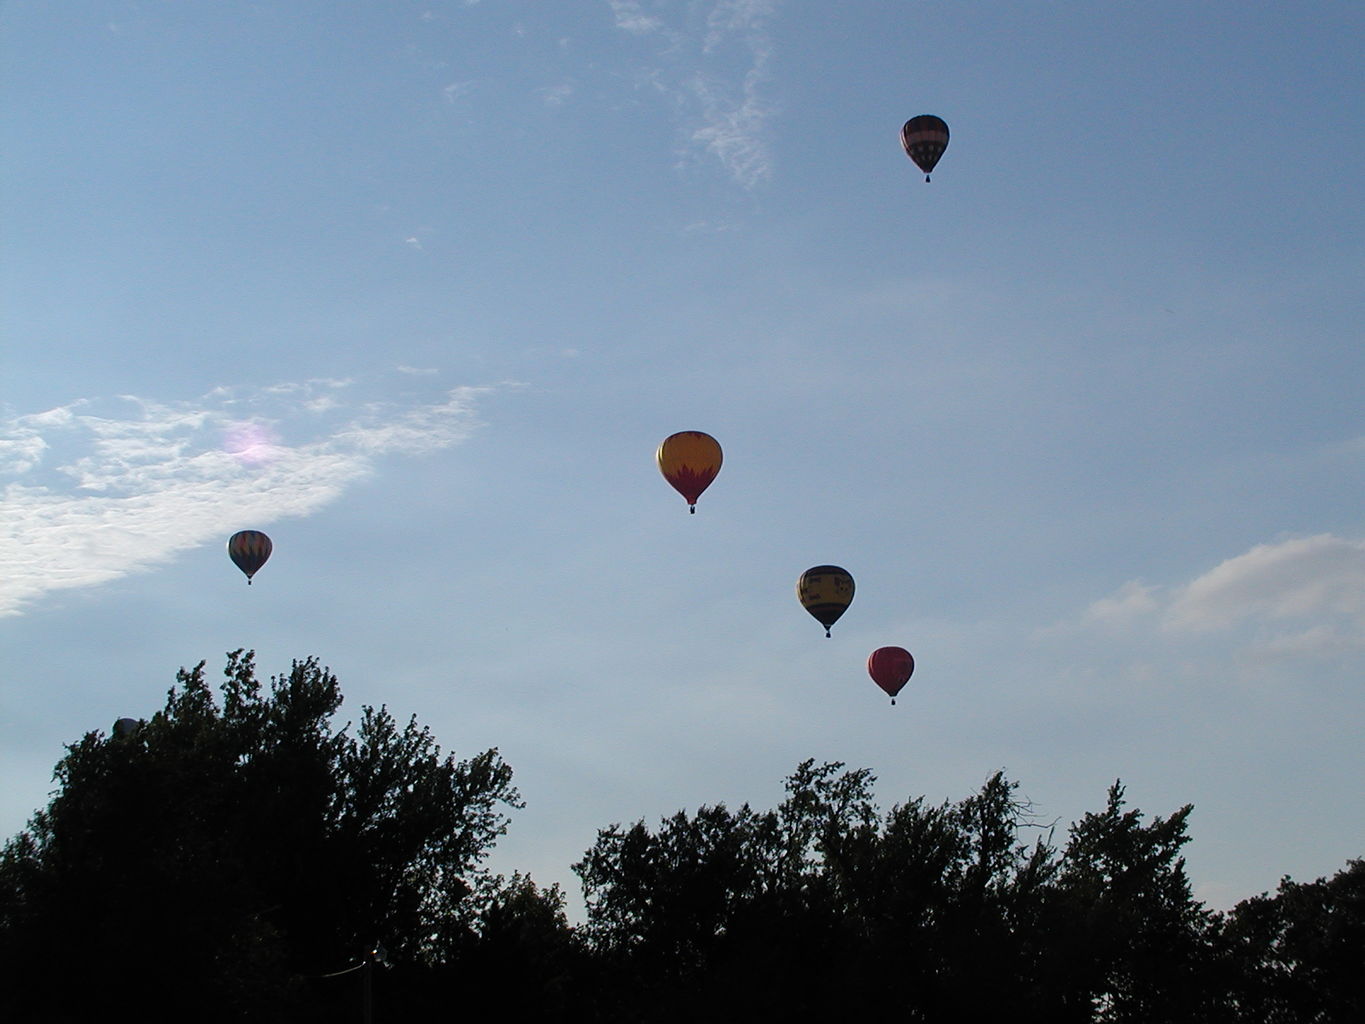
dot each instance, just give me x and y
(689, 460)
(890, 668)
(825, 591)
(249, 550)
(925, 138)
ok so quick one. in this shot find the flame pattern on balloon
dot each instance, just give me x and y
(689, 461)
(249, 550)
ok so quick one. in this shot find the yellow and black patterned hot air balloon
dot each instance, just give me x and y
(825, 591)
(925, 138)
(249, 550)
(689, 460)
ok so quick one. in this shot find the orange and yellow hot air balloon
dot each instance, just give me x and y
(689, 460)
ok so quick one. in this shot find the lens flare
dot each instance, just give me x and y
(250, 443)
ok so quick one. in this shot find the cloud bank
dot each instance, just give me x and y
(98, 489)
(1300, 596)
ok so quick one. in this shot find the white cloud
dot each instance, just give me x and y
(141, 481)
(737, 16)
(630, 18)
(456, 91)
(708, 227)
(1130, 601)
(1315, 641)
(1295, 579)
(556, 95)
(733, 130)
(716, 81)
(315, 386)
(1303, 596)
(735, 125)
(21, 453)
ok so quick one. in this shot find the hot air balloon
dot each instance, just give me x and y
(925, 138)
(890, 668)
(689, 460)
(249, 550)
(825, 591)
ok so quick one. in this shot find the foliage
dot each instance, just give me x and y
(826, 906)
(229, 857)
(1299, 956)
(1130, 939)
(932, 912)
(821, 906)
(243, 859)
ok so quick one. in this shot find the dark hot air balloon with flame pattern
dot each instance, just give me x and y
(925, 138)
(249, 550)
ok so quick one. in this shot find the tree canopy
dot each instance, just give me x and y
(231, 855)
(936, 911)
(971, 910)
(244, 857)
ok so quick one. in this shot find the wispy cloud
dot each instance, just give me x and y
(1134, 599)
(733, 128)
(630, 17)
(97, 489)
(1300, 596)
(716, 75)
(556, 95)
(457, 90)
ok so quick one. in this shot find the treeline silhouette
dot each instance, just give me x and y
(240, 859)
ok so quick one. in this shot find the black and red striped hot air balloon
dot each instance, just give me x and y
(249, 550)
(925, 138)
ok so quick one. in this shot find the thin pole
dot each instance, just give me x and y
(369, 989)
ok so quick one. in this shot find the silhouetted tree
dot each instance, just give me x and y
(827, 907)
(1129, 941)
(1299, 955)
(819, 908)
(237, 860)
(214, 863)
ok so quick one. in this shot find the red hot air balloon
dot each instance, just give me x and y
(689, 461)
(249, 550)
(925, 138)
(890, 668)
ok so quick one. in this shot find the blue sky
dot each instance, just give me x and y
(418, 288)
